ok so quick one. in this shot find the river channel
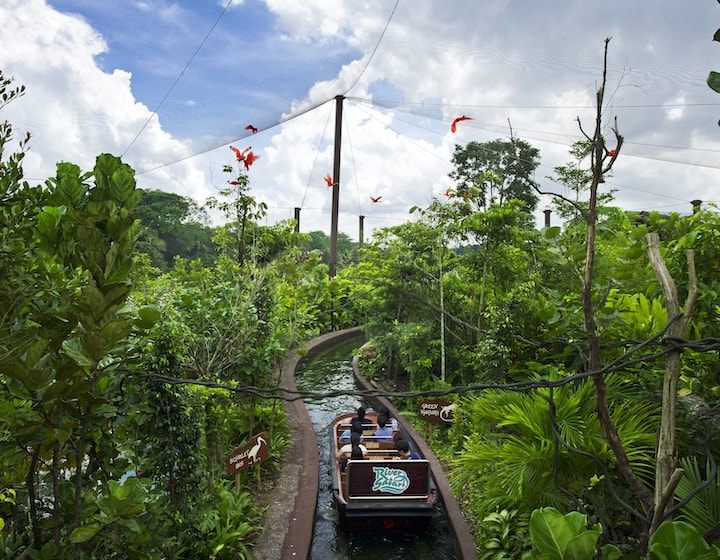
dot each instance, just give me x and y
(330, 370)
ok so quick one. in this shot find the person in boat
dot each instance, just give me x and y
(404, 451)
(355, 426)
(361, 416)
(353, 450)
(393, 421)
(346, 450)
(384, 431)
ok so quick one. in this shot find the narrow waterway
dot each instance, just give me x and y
(331, 369)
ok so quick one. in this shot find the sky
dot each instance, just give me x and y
(169, 85)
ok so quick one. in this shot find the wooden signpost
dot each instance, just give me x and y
(436, 412)
(433, 410)
(255, 451)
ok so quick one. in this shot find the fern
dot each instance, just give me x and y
(703, 511)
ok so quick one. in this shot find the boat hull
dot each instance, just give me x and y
(381, 493)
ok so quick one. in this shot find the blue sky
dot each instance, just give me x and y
(96, 71)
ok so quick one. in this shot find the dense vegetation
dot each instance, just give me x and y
(102, 453)
(131, 337)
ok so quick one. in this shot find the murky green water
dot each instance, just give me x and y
(331, 369)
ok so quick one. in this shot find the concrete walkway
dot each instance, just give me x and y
(290, 517)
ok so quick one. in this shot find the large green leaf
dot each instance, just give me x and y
(678, 540)
(122, 183)
(713, 80)
(556, 536)
(82, 534)
(74, 349)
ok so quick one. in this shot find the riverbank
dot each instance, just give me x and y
(288, 521)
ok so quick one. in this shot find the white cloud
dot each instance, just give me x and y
(535, 69)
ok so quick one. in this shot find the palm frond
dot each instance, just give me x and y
(703, 511)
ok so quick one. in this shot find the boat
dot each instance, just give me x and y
(380, 492)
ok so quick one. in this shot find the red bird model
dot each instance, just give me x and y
(250, 158)
(328, 180)
(246, 156)
(238, 154)
(251, 128)
(375, 199)
(453, 126)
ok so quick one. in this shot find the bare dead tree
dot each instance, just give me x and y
(602, 161)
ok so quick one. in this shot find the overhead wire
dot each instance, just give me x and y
(375, 49)
(522, 133)
(352, 161)
(317, 153)
(178, 78)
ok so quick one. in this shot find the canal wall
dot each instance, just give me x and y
(464, 540)
(288, 522)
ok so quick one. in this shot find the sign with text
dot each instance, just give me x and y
(254, 451)
(433, 410)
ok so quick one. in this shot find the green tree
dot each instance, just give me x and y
(496, 172)
(173, 226)
(239, 206)
(576, 178)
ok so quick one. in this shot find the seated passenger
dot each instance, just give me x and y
(355, 426)
(354, 450)
(393, 421)
(361, 416)
(404, 452)
(384, 432)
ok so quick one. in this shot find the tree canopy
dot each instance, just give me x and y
(496, 172)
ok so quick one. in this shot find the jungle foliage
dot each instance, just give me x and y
(112, 440)
(554, 344)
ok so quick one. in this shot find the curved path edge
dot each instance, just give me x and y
(288, 522)
(464, 540)
(290, 517)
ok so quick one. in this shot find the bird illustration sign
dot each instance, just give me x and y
(254, 451)
(432, 410)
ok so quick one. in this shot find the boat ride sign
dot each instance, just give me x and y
(254, 451)
(433, 410)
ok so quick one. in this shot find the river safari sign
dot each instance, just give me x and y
(437, 411)
(256, 450)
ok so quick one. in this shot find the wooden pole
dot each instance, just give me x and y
(336, 187)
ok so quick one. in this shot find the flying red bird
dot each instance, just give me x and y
(375, 199)
(234, 182)
(328, 180)
(453, 126)
(251, 128)
(250, 158)
(238, 154)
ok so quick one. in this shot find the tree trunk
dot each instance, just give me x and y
(598, 156)
(666, 458)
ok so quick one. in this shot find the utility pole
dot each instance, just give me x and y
(336, 187)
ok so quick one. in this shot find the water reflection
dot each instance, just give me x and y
(331, 369)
